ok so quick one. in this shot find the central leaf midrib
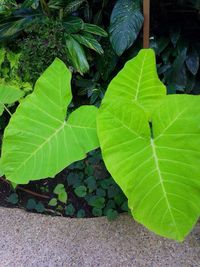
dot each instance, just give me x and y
(140, 78)
(155, 157)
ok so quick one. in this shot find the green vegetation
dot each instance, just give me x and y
(145, 148)
(57, 61)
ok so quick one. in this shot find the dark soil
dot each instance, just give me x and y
(42, 192)
(33, 190)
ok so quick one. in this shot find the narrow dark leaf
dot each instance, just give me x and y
(89, 41)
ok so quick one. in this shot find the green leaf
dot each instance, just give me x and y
(73, 24)
(98, 202)
(14, 26)
(156, 161)
(31, 204)
(53, 202)
(100, 192)
(76, 54)
(125, 24)
(40, 207)
(8, 95)
(72, 6)
(138, 81)
(59, 189)
(91, 183)
(111, 214)
(94, 29)
(69, 210)
(89, 41)
(80, 213)
(81, 191)
(62, 197)
(97, 212)
(13, 58)
(73, 178)
(39, 142)
(192, 62)
(113, 190)
(31, 3)
(13, 198)
(2, 55)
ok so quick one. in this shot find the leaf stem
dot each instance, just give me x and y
(26, 190)
(6, 108)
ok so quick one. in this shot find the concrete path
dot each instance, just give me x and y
(32, 240)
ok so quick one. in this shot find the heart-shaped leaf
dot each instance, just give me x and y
(156, 163)
(138, 81)
(38, 141)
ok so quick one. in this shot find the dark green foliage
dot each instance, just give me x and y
(97, 202)
(177, 44)
(80, 213)
(81, 191)
(13, 198)
(125, 24)
(73, 31)
(38, 50)
(69, 210)
(97, 212)
(111, 214)
(32, 204)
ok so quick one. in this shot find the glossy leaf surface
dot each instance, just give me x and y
(125, 24)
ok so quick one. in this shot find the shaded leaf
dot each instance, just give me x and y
(76, 54)
(192, 62)
(73, 24)
(89, 41)
(81, 191)
(94, 29)
(72, 6)
(125, 24)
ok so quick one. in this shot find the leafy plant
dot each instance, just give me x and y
(38, 141)
(75, 33)
(9, 64)
(8, 95)
(174, 28)
(144, 141)
(61, 192)
(125, 24)
(32, 204)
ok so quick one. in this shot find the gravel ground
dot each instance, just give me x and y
(32, 240)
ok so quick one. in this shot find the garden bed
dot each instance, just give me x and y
(90, 192)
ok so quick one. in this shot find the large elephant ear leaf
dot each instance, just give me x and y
(156, 164)
(38, 141)
(138, 81)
